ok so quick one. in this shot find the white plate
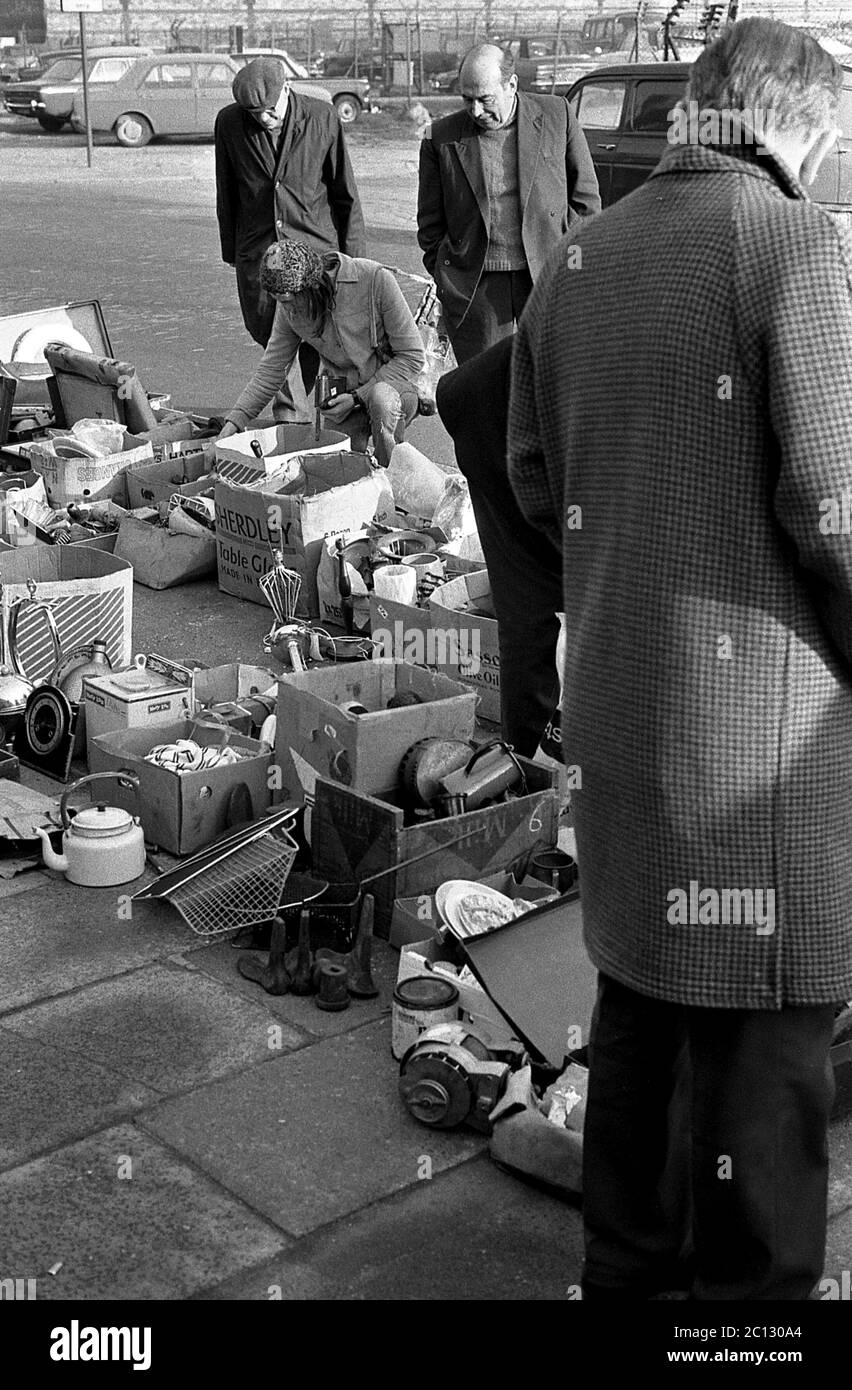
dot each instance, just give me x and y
(462, 901)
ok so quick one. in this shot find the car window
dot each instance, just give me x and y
(214, 75)
(599, 105)
(66, 70)
(170, 75)
(110, 69)
(652, 102)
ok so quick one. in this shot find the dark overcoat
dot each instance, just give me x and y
(557, 185)
(307, 194)
(681, 420)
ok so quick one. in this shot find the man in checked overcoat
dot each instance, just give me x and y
(681, 423)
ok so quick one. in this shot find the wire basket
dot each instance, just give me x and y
(243, 888)
(333, 918)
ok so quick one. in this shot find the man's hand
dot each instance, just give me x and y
(228, 429)
(339, 408)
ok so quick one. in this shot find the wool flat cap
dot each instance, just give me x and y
(258, 85)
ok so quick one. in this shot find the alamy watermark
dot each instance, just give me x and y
(431, 646)
(722, 907)
(690, 124)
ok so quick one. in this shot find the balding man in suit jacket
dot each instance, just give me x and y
(500, 185)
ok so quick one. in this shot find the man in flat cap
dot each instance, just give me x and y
(282, 171)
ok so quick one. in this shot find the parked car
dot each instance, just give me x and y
(350, 95)
(167, 94)
(50, 98)
(624, 112)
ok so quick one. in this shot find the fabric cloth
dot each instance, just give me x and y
(557, 186)
(259, 84)
(679, 423)
(525, 570)
(705, 1161)
(495, 310)
(305, 192)
(499, 153)
(346, 346)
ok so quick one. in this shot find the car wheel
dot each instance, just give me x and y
(51, 123)
(347, 108)
(133, 131)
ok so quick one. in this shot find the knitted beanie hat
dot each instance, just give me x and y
(258, 85)
(290, 266)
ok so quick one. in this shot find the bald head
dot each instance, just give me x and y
(488, 85)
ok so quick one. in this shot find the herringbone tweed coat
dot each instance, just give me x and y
(689, 388)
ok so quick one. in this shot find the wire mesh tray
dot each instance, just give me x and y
(236, 882)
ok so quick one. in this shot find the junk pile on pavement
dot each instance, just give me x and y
(342, 792)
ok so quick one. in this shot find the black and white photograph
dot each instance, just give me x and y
(425, 674)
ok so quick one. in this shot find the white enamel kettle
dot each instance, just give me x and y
(102, 845)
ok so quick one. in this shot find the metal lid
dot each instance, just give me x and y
(426, 992)
(100, 820)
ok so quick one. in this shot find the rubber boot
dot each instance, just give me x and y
(274, 976)
(299, 962)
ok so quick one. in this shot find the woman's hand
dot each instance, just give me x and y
(338, 409)
(228, 429)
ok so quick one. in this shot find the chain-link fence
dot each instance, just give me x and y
(409, 48)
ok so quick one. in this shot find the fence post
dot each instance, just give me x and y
(310, 45)
(355, 45)
(556, 51)
(408, 59)
(419, 53)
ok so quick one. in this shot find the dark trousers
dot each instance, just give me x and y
(494, 310)
(705, 1156)
(525, 569)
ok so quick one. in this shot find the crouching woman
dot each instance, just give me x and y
(353, 312)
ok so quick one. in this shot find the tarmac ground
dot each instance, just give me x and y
(168, 1131)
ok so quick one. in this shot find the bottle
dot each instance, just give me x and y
(86, 663)
(257, 448)
(344, 588)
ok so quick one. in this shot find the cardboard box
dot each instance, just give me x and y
(181, 812)
(341, 493)
(404, 633)
(28, 482)
(427, 956)
(86, 480)
(30, 532)
(109, 705)
(478, 647)
(280, 444)
(355, 835)
(413, 919)
(92, 597)
(150, 484)
(162, 559)
(222, 689)
(316, 738)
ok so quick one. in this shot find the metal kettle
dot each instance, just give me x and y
(103, 845)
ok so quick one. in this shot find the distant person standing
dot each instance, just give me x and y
(282, 172)
(500, 184)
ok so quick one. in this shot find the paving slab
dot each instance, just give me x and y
(473, 1233)
(49, 1097)
(312, 1136)
(159, 1232)
(59, 937)
(220, 962)
(166, 1026)
(838, 1253)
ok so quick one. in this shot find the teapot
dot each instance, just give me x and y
(103, 845)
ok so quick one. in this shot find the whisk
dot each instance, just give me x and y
(281, 587)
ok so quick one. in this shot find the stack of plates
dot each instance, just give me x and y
(471, 909)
